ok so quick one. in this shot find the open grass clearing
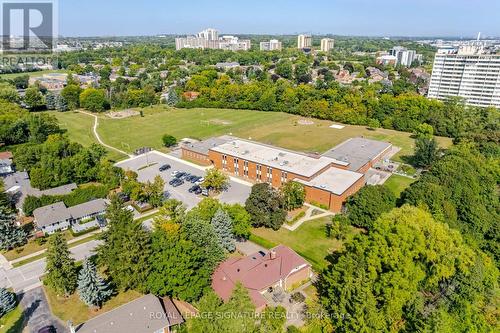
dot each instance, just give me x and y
(79, 128)
(309, 240)
(398, 184)
(280, 129)
(10, 76)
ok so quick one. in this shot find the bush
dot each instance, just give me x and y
(298, 297)
(169, 140)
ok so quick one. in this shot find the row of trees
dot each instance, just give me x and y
(58, 161)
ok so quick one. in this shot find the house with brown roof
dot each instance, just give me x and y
(260, 273)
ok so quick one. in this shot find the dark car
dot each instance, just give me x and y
(194, 179)
(194, 188)
(47, 329)
(166, 195)
(180, 175)
(185, 176)
(124, 197)
(165, 167)
(198, 191)
(179, 182)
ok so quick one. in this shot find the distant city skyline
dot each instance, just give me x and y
(432, 18)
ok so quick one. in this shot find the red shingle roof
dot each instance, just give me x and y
(255, 272)
(5, 155)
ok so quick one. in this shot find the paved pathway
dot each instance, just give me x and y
(96, 124)
(248, 247)
(308, 217)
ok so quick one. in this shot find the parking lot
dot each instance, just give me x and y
(236, 193)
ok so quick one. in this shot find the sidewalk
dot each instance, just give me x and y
(34, 254)
(308, 216)
(9, 264)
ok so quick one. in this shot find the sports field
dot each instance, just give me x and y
(30, 74)
(275, 128)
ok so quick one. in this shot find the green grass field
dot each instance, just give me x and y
(79, 129)
(275, 128)
(398, 184)
(31, 74)
(309, 240)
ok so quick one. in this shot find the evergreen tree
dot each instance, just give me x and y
(50, 100)
(7, 301)
(93, 290)
(61, 104)
(223, 227)
(172, 98)
(126, 248)
(61, 269)
(11, 236)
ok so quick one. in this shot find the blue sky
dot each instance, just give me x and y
(340, 17)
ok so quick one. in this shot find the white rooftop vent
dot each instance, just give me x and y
(323, 186)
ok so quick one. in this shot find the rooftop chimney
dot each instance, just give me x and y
(272, 254)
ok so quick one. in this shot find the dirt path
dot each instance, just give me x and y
(96, 124)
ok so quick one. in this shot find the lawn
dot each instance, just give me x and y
(31, 74)
(309, 240)
(12, 322)
(398, 184)
(280, 129)
(275, 128)
(72, 308)
(80, 129)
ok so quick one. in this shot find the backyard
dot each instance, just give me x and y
(275, 128)
(309, 240)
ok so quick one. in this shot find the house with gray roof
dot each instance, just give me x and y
(57, 216)
(147, 314)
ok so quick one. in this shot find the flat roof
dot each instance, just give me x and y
(334, 180)
(202, 147)
(357, 151)
(279, 158)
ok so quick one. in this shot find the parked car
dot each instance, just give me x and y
(166, 195)
(204, 191)
(164, 167)
(124, 197)
(194, 179)
(185, 176)
(174, 173)
(198, 191)
(193, 188)
(200, 180)
(180, 174)
(177, 183)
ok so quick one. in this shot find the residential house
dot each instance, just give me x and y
(261, 273)
(147, 314)
(55, 217)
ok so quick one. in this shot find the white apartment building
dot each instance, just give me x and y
(271, 45)
(468, 73)
(404, 57)
(304, 41)
(209, 34)
(209, 39)
(327, 44)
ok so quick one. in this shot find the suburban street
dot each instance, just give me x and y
(27, 277)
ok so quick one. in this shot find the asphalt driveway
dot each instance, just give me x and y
(37, 312)
(236, 193)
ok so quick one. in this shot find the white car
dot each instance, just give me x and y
(200, 181)
(174, 173)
